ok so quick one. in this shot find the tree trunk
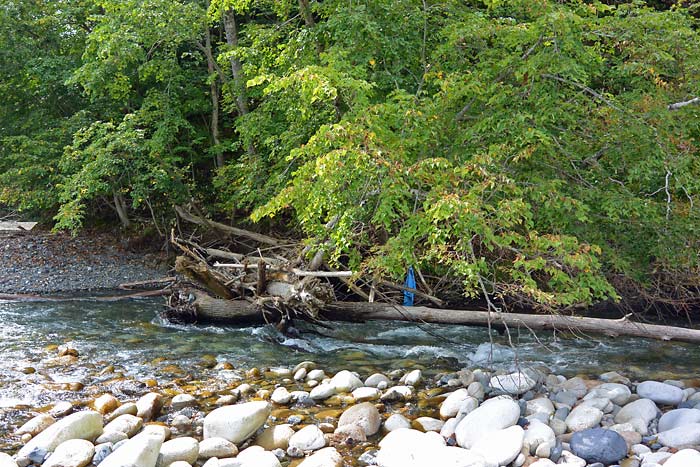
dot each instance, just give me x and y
(120, 207)
(229, 311)
(214, 89)
(305, 11)
(236, 68)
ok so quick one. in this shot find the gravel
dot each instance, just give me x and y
(44, 263)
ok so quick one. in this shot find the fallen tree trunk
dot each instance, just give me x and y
(19, 297)
(230, 311)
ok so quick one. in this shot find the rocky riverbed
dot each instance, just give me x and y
(305, 416)
(46, 263)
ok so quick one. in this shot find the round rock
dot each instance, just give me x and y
(364, 415)
(598, 445)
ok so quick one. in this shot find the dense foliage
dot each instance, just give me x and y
(522, 147)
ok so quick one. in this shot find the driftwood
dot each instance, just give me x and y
(12, 226)
(109, 298)
(260, 238)
(236, 311)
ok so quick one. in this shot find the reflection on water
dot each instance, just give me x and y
(131, 336)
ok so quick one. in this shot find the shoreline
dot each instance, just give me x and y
(44, 263)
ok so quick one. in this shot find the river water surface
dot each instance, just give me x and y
(131, 337)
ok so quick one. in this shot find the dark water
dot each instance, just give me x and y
(131, 337)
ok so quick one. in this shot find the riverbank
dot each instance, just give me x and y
(48, 263)
(304, 415)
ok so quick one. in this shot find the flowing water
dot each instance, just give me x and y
(131, 337)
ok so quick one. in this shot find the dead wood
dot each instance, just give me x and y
(108, 298)
(258, 237)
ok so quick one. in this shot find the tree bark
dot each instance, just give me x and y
(236, 68)
(260, 238)
(229, 311)
(214, 90)
(120, 207)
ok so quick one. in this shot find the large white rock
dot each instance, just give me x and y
(500, 447)
(309, 438)
(281, 396)
(541, 405)
(236, 423)
(326, 457)
(396, 421)
(275, 437)
(583, 417)
(513, 383)
(140, 451)
(255, 456)
(411, 448)
(322, 391)
(82, 425)
(178, 449)
(456, 402)
(345, 381)
(364, 415)
(127, 424)
(684, 458)
(217, 447)
(494, 414)
(538, 433)
(683, 436)
(71, 453)
(618, 393)
(365, 393)
(149, 405)
(678, 417)
(644, 409)
(6, 460)
(661, 393)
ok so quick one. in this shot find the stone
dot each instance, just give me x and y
(281, 396)
(618, 393)
(149, 405)
(6, 460)
(236, 423)
(377, 380)
(404, 447)
(541, 405)
(36, 425)
(326, 457)
(101, 452)
(61, 409)
(456, 402)
(81, 425)
(644, 409)
(583, 417)
(493, 415)
(365, 394)
(684, 458)
(71, 453)
(364, 415)
(345, 381)
(538, 433)
(255, 456)
(347, 434)
(316, 375)
(178, 449)
(513, 383)
(275, 437)
(216, 447)
(413, 378)
(428, 424)
(678, 417)
(309, 438)
(396, 421)
(140, 451)
(397, 393)
(111, 437)
(598, 445)
(661, 393)
(322, 392)
(683, 436)
(105, 404)
(179, 464)
(500, 447)
(127, 424)
(128, 408)
(182, 401)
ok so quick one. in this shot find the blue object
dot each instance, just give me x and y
(411, 284)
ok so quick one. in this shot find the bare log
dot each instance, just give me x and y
(260, 238)
(298, 272)
(108, 298)
(147, 283)
(228, 311)
(680, 105)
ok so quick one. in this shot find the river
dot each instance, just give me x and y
(131, 337)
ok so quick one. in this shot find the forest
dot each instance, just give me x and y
(541, 153)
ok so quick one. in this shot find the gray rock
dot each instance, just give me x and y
(513, 383)
(661, 393)
(678, 417)
(583, 417)
(644, 409)
(683, 436)
(236, 423)
(322, 391)
(378, 381)
(598, 445)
